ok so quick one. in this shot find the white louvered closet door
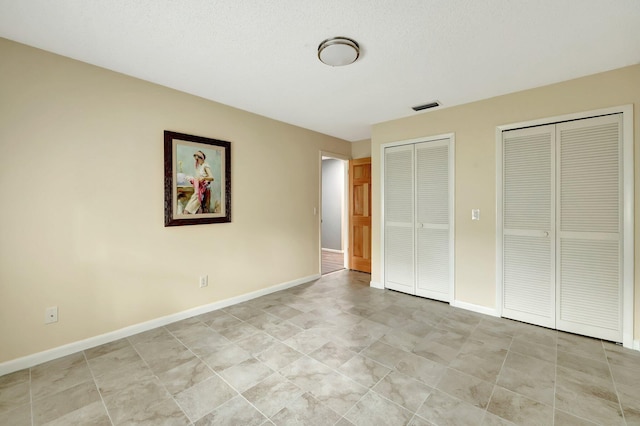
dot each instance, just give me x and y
(589, 197)
(398, 216)
(432, 220)
(528, 281)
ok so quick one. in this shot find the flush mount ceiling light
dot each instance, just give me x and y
(338, 51)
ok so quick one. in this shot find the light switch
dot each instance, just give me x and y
(475, 214)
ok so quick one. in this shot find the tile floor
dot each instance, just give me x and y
(334, 352)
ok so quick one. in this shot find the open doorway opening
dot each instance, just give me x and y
(334, 211)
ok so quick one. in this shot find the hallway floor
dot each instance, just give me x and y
(334, 352)
(332, 261)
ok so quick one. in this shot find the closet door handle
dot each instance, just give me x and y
(546, 234)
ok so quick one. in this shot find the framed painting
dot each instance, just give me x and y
(197, 180)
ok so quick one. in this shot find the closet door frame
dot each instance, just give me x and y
(451, 166)
(628, 232)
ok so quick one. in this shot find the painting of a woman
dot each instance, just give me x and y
(197, 180)
(198, 203)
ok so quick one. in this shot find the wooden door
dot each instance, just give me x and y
(360, 214)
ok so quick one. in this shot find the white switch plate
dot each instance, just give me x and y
(51, 315)
(475, 214)
(204, 281)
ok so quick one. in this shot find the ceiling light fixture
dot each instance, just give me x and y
(338, 51)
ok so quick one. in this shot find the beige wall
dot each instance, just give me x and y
(81, 178)
(361, 149)
(474, 126)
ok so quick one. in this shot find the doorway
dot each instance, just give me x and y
(333, 213)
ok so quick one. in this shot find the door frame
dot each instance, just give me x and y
(452, 187)
(628, 232)
(345, 207)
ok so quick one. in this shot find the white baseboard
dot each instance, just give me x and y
(636, 345)
(333, 250)
(81, 345)
(374, 284)
(475, 308)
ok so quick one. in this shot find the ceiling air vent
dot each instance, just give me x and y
(426, 106)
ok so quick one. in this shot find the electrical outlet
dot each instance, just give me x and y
(51, 315)
(204, 281)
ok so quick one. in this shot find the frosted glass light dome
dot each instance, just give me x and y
(338, 51)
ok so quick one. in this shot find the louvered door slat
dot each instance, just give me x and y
(589, 286)
(399, 219)
(528, 212)
(432, 220)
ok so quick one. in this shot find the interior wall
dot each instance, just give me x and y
(474, 125)
(332, 200)
(81, 176)
(361, 149)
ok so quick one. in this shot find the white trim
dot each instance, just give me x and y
(636, 345)
(628, 226)
(451, 142)
(80, 345)
(628, 207)
(452, 216)
(499, 221)
(375, 284)
(332, 250)
(625, 109)
(475, 308)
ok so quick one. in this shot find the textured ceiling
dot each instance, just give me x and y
(260, 56)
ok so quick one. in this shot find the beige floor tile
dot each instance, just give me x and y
(93, 414)
(14, 394)
(163, 355)
(204, 397)
(443, 409)
(519, 409)
(226, 356)
(372, 409)
(534, 350)
(586, 347)
(279, 356)
(306, 410)
(257, 343)
(16, 416)
(587, 397)
(590, 366)
(106, 348)
(529, 376)
(236, 411)
(363, 370)
(246, 374)
(185, 376)
(338, 392)
(273, 394)
(384, 354)
(54, 406)
(480, 360)
(137, 396)
(332, 354)
(403, 390)
(467, 388)
(115, 381)
(162, 412)
(565, 419)
(54, 376)
(113, 360)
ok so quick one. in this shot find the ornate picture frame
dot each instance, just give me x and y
(197, 180)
